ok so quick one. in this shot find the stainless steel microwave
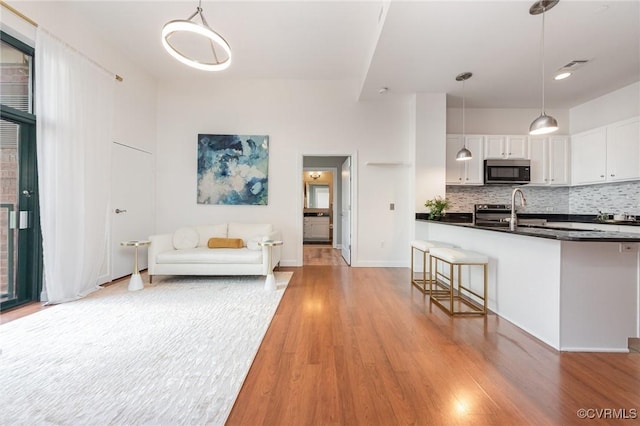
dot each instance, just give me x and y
(507, 171)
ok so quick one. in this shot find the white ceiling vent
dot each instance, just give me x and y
(573, 65)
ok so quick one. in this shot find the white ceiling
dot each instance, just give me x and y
(420, 47)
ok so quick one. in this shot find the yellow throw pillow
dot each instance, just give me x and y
(225, 243)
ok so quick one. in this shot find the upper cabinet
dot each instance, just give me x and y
(549, 157)
(623, 150)
(465, 172)
(559, 160)
(606, 154)
(503, 147)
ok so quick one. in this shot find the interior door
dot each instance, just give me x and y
(345, 214)
(131, 206)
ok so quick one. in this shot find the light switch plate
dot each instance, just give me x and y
(628, 247)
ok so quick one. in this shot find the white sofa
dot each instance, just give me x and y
(185, 252)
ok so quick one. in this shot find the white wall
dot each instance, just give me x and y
(501, 121)
(135, 98)
(301, 118)
(615, 106)
(430, 147)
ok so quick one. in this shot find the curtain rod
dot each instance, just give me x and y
(20, 14)
(35, 24)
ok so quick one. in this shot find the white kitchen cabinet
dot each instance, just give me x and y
(559, 170)
(465, 172)
(589, 157)
(506, 147)
(550, 161)
(623, 150)
(606, 154)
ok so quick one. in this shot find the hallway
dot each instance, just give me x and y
(322, 255)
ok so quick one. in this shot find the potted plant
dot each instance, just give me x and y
(436, 207)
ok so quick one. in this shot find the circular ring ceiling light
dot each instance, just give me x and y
(172, 28)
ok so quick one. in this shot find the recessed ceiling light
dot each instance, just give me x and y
(566, 70)
(562, 75)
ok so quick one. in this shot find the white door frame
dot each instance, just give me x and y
(121, 258)
(334, 197)
(345, 212)
(354, 205)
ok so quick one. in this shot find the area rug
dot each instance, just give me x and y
(174, 353)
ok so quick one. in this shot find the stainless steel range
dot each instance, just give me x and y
(491, 214)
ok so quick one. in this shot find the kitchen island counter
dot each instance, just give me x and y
(552, 232)
(574, 290)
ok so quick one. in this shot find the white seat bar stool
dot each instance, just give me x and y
(450, 292)
(424, 247)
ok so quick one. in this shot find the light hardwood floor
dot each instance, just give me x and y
(360, 346)
(322, 254)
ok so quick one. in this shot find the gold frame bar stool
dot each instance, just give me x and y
(424, 247)
(451, 290)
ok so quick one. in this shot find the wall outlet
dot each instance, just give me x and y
(628, 247)
(392, 206)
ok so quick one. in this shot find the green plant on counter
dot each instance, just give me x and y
(436, 207)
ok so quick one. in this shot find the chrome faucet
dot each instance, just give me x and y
(513, 223)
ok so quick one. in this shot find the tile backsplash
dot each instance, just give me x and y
(623, 197)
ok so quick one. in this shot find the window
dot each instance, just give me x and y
(16, 76)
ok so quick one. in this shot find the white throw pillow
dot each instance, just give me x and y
(254, 243)
(248, 231)
(185, 238)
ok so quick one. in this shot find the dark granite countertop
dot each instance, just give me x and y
(551, 217)
(549, 232)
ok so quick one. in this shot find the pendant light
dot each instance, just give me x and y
(172, 28)
(464, 154)
(544, 124)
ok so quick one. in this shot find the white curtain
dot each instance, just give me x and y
(74, 104)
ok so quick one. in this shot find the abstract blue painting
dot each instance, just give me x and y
(233, 169)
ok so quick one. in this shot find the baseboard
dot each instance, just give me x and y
(616, 350)
(103, 279)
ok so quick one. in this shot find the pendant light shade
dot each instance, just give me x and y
(220, 58)
(544, 124)
(464, 154)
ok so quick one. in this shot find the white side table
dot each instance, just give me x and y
(270, 282)
(135, 283)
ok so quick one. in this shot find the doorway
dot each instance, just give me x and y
(324, 225)
(20, 237)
